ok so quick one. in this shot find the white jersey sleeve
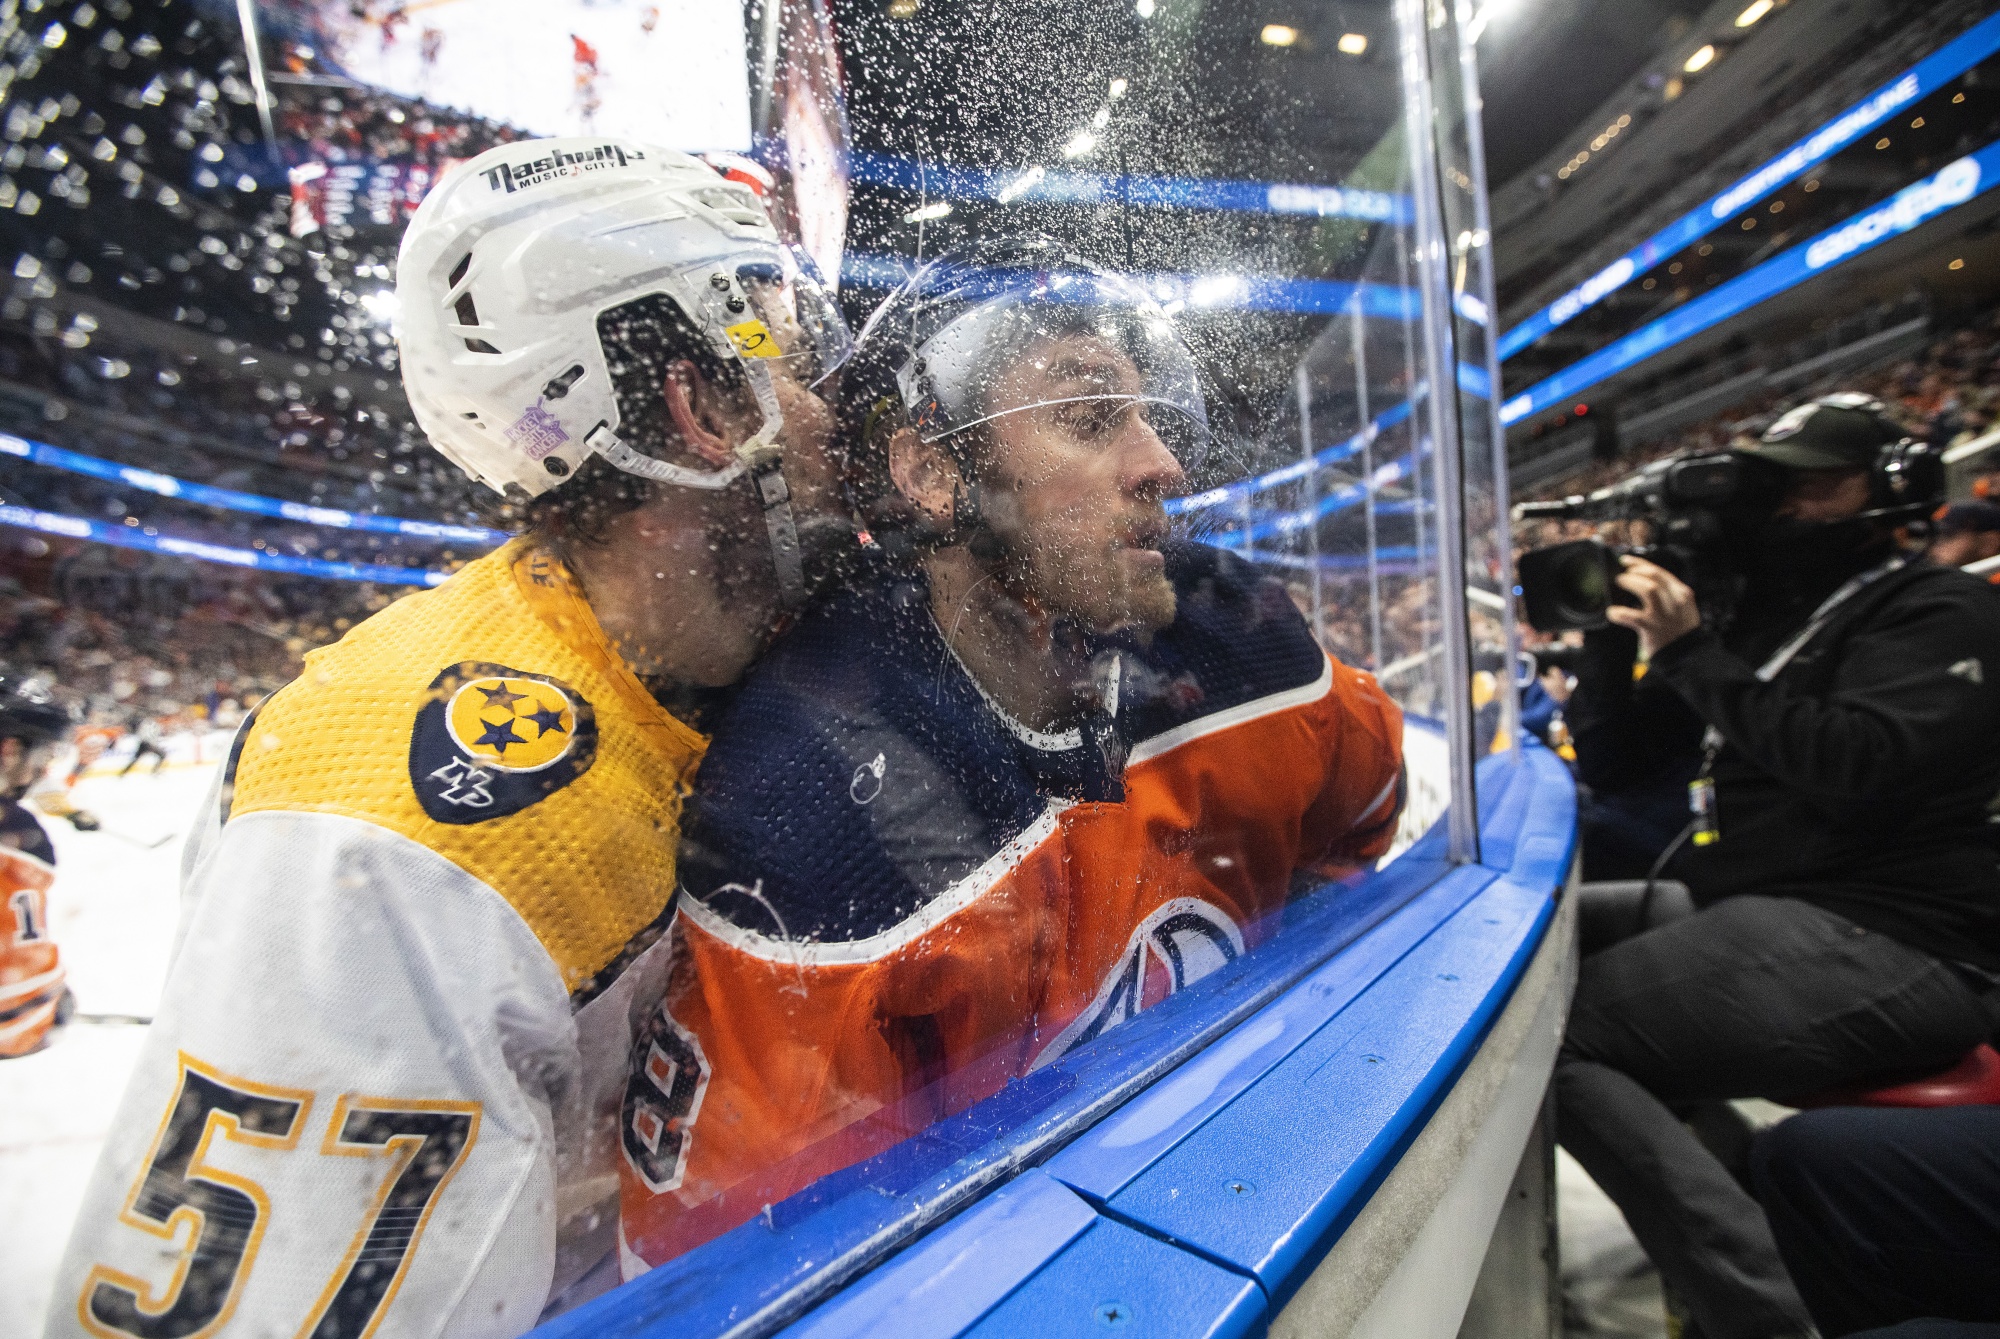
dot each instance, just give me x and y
(345, 1119)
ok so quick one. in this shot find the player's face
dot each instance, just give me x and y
(690, 574)
(1077, 480)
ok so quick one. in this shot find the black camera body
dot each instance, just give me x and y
(1698, 509)
(1703, 512)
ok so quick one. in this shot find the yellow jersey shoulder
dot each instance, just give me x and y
(489, 721)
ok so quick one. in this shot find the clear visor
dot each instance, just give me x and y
(1086, 354)
(775, 313)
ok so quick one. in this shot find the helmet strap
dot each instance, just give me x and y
(774, 496)
(767, 402)
(968, 524)
(608, 444)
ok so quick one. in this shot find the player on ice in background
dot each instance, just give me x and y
(150, 742)
(422, 914)
(1048, 768)
(50, 792)
(33, 998)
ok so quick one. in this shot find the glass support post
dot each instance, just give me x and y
(1408, 284)
(1303, 379)
(1482, 275)
(1367, 483)
(1433, 277)
(253, 51)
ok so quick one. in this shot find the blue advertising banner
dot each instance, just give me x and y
(1040, 185)
(130, 537)
(1946, 189)
(165, 485)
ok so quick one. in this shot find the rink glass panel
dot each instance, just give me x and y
(1313, 221)
(1313, 218)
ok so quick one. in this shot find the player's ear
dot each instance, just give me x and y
(704, 417)
(926, 476)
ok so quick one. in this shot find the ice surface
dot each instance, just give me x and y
(113, 910)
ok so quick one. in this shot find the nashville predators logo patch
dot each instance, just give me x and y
(490, 741)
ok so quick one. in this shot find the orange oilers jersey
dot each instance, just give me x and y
(420, 923)
(895, 898)
(31, 971)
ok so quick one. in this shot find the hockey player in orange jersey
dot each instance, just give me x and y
(1045, 767)
(33, 1000)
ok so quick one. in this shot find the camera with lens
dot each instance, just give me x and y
(1699, 511)
(1704, 513)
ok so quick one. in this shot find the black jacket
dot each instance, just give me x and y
(1858, 778)
(1632, 735)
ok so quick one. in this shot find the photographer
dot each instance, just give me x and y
(1846, 911)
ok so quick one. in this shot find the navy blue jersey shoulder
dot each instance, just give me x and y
(1236, 637)
(858, 775)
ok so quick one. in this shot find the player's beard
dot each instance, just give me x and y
(1101, 582)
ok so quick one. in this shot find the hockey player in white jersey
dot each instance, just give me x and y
(380, 1096)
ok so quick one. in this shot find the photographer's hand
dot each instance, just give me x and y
(1667, 609)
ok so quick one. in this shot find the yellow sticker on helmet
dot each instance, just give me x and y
(753, 340)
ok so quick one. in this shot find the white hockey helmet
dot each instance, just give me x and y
(509, 263)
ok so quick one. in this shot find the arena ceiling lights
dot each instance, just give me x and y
(1919, 81)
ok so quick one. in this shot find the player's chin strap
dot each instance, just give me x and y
(774, 496)
(765, 465)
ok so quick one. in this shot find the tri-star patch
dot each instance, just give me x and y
(490, 741)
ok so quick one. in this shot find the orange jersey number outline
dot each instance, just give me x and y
(427, 1142)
